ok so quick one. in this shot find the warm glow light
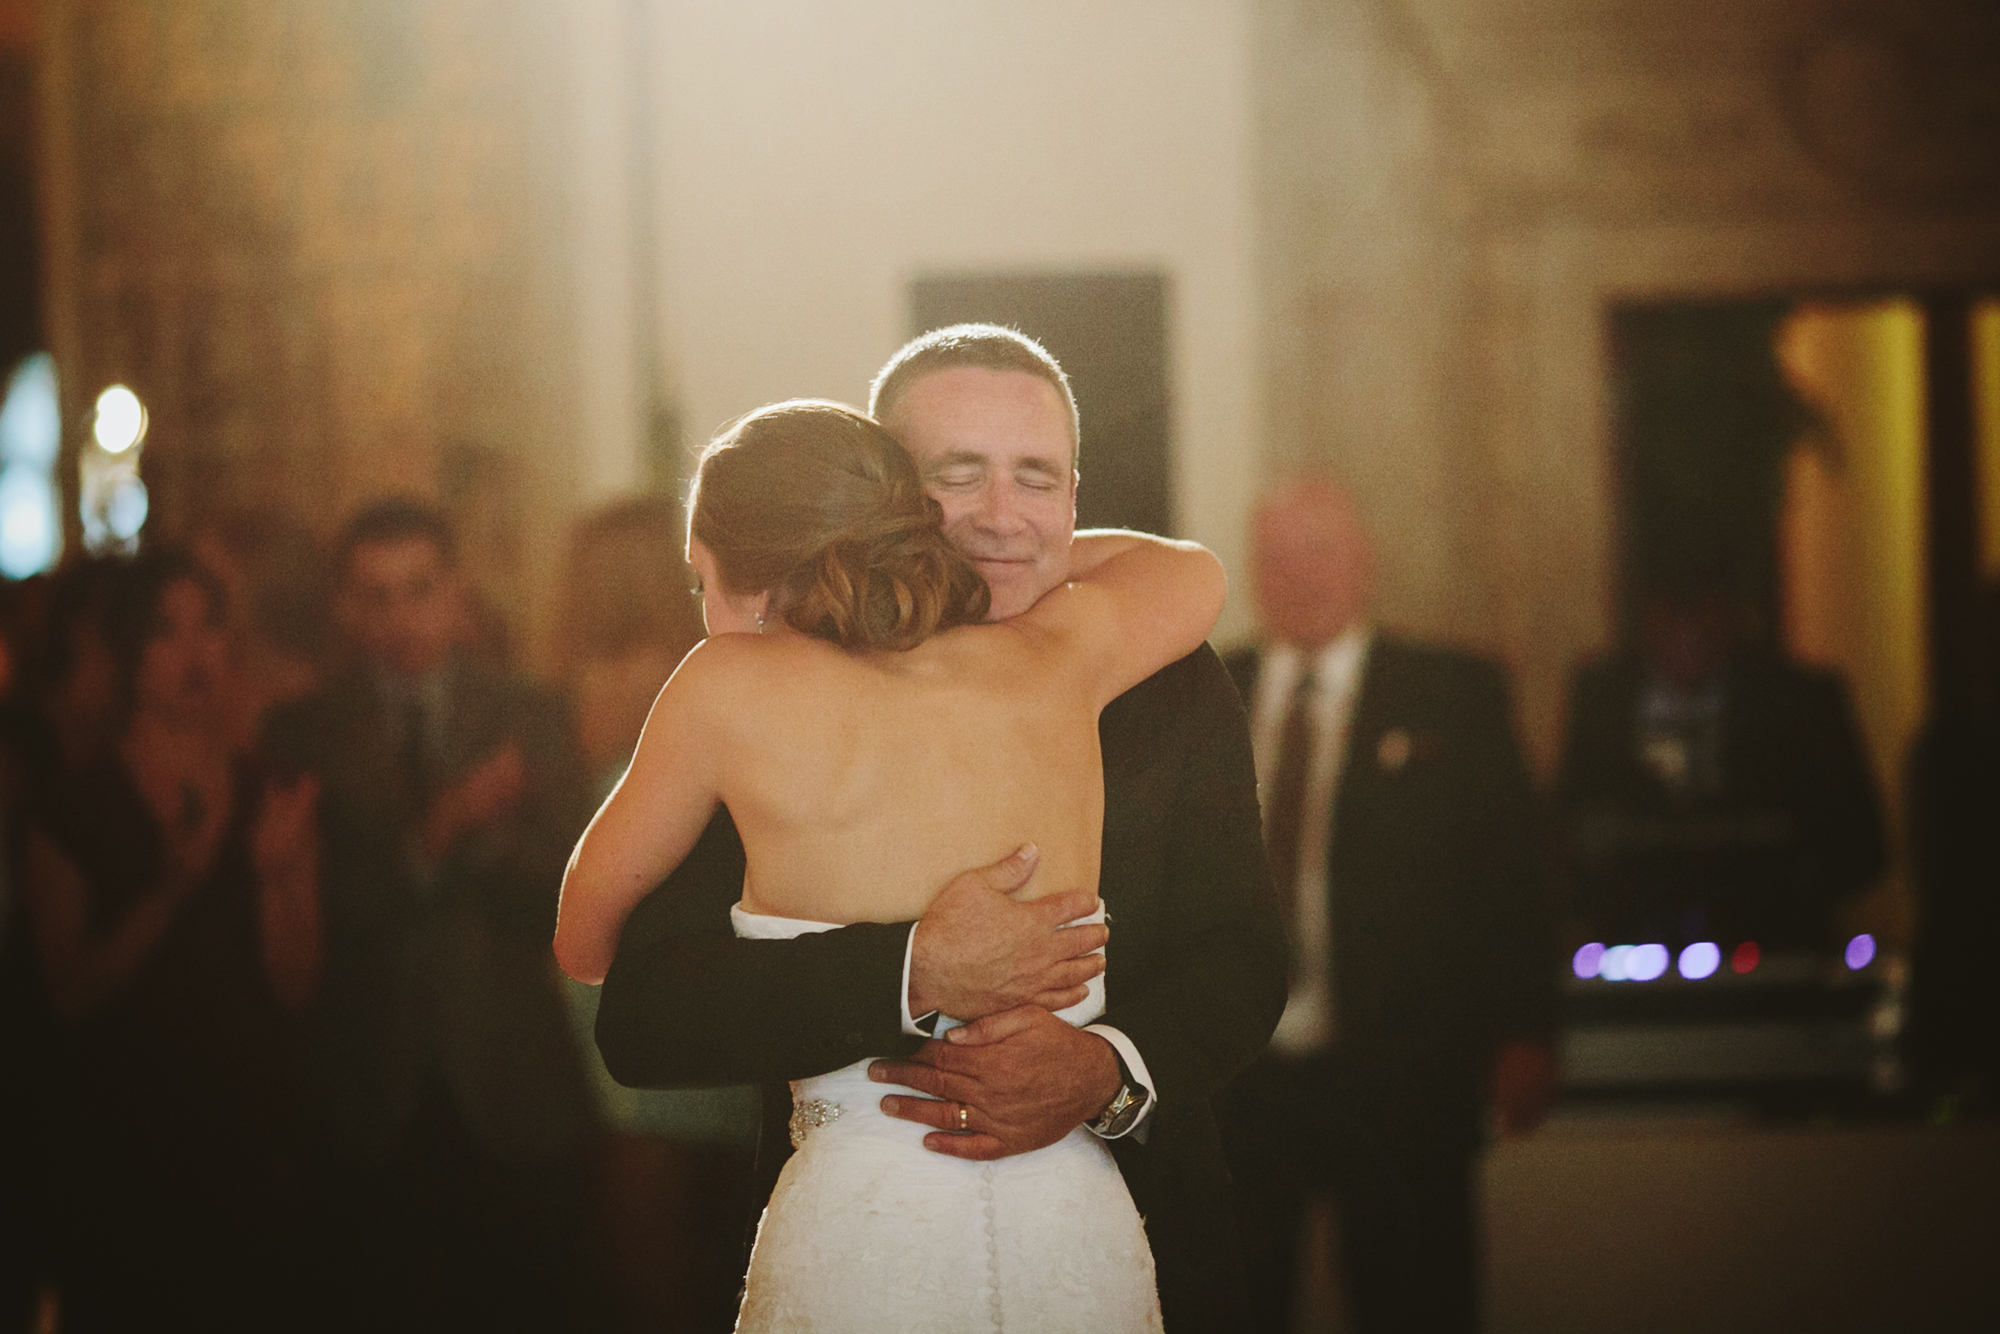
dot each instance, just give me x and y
(121, 420)
(1586, 961)
(126, 513)
(1744, 957)
(1700, 960)
(1860, 951)
(1852, 535)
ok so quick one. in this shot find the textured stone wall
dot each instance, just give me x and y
(323, 240)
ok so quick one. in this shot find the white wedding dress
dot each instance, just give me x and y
(869, 1230)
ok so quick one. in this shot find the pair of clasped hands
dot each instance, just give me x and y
(1023, 1077)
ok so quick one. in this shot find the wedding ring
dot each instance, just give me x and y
(963, 1113)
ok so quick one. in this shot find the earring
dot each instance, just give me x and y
(760, 622)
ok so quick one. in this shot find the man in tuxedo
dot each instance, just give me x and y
(1194, 979)
(450, 1096)
(1401, 828)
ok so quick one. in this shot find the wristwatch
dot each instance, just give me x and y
(1122, 1112)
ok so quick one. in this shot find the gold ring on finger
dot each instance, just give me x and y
(964, 1115)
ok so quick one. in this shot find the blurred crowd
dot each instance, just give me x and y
(282, 1043)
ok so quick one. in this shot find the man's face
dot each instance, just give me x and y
(400, 602)
(994, 450)
(185, 663)
(1313, 566)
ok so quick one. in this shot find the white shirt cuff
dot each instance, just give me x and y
(910, 1024)
(1133, 1066)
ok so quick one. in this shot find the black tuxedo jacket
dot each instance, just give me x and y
(1195, 972)
(1442, 935)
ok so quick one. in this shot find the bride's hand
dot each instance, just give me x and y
(977, 952)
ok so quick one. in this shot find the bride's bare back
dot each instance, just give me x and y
(861, 783)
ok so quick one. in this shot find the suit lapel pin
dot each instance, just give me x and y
(1393, 751)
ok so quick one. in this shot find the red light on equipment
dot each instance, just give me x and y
(1744, 957)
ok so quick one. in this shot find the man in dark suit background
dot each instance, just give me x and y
(446, 1088)
(1401, 827)
(1194, 974)
(1712, 788)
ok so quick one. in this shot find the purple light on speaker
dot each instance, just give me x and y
(1647, 962)
(1860, 951)
(1586, 961)
(1700, 960)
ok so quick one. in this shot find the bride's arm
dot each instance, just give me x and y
(654, 815)
(1132, 604)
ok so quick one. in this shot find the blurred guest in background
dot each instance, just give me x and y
(1401, 829)
(1711, 788)
(69, 714)
(27, 1027)
(1954, 1041)
(446, 1082)
(274, 571)
(674, 1171)
(59, 716)
(173, 902)
(630, 616)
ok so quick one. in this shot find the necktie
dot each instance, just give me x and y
(1284, 823)
(416, 760)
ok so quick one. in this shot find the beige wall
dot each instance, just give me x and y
(813, 158)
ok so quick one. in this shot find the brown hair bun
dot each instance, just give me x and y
(816, 503)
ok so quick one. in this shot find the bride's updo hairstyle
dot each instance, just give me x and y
(818, 504)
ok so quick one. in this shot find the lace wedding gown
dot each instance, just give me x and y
(869, 1230)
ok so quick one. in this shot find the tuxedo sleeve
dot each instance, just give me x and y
(1182, 830)
(688, 1004)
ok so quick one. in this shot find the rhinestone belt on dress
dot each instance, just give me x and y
(810, 1115)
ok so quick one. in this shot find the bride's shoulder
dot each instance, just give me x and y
(737, 663)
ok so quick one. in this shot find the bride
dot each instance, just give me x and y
(872, 737)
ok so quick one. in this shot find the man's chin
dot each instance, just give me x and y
(1013, 586)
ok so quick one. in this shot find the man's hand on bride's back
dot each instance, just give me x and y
(977, 951)
(1009, 1083)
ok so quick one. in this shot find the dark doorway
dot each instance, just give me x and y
(1109, 331)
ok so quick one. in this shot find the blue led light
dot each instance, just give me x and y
(1586, 961)
(1647, 962)
(1860, 951)
(1700, 960)
(1612, 966)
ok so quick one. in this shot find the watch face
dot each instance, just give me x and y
(1119, 1114)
